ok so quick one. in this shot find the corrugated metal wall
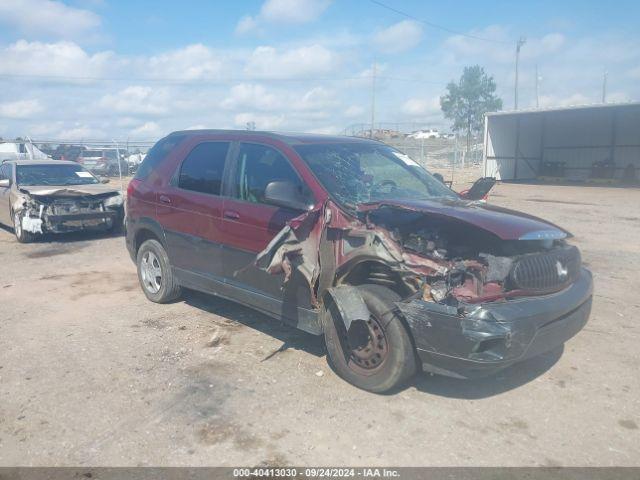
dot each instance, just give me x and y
(574, 138)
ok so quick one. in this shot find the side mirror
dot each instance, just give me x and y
(104, 180)
(4, 183)
(285, 194)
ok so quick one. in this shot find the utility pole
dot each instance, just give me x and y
(604, 87)
(537, 93)
(521, 42)
(373, 97)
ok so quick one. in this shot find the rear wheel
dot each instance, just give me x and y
(21, 235)
(154, 273)
(376, 355)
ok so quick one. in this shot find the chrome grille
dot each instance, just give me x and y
(546, 271)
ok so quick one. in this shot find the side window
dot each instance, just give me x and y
(202, 169)
(257, 166)
(156, 155)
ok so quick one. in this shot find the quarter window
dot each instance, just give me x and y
(202, 170)
(157, 154)
(257, 166)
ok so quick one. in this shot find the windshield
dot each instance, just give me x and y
(30, 175)
(357, 173)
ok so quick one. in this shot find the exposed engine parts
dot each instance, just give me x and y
(62, 213)
(432, 257)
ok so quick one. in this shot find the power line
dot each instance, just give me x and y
(207, 81)
(435, 25)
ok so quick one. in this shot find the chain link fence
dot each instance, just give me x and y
(120, 159)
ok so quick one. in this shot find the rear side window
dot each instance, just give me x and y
(202, 169)
(157, 154)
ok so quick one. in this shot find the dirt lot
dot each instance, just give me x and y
(91, 373)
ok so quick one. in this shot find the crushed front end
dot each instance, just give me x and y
(485, 302)
(469, 339)
(60, 212)
(481, 288)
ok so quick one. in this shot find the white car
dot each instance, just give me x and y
(420, 134)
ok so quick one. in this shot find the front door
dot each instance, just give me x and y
(249, 223)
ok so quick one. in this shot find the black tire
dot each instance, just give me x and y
(399, 361)
(21, 235)
(161, 288)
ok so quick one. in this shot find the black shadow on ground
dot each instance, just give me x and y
(290, 336)
(511, 377)
(68, 237)
(503, 381)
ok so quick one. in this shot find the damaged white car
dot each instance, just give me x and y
(50, 196)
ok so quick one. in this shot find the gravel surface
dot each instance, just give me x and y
(91, 373)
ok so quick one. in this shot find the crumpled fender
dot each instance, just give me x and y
(350, 304)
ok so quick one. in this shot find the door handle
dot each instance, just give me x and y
(164, 199)
(231, 215)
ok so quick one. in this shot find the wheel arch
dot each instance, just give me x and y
(146, 229)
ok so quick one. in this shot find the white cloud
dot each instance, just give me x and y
(20, 109)
(137, 100)
(283, 12)
(420, 107)
(268, 62)
(328, 130)
(246, 24)
(399, 37)
(262, 121)
(47, 17)
(354, 111)
(293, 11)
(317, 98)
(246, 95)
(147, 131)
(80, 132)
(460, 47)
(566, 101)
(64, 59)
(188, 63)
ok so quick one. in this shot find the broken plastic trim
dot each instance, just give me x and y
(350, 304)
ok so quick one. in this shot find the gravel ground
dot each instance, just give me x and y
(91, 373)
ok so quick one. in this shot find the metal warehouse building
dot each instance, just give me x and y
(583, 143)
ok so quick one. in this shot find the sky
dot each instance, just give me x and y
(115, 69)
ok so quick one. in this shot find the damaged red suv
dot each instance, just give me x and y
(351, 239)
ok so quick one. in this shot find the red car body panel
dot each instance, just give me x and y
(505, 223)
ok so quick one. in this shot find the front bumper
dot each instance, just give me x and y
(477, 340)
(81, 221)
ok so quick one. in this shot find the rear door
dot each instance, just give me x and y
(189, 208)
(248, 223)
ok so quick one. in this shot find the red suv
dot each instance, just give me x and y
(352, 239)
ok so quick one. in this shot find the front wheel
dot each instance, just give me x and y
(379, 356)
(21, 235)
(154, 273)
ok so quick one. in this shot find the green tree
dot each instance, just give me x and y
(467, 101)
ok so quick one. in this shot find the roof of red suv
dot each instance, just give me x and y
(290, 138)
